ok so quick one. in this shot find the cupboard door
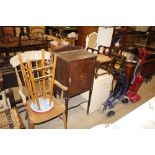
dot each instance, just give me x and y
(81, 75)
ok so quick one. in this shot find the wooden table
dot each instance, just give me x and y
(147, 70)
(150, 50)
(13, 47)
(24, 46)
(63, 48)
(148, 47)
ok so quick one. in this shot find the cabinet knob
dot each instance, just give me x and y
(81, 77)
(70, 80)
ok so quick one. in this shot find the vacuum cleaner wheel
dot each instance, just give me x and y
(110, 113)
(125, 100)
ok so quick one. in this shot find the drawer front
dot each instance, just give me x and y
(81, 76)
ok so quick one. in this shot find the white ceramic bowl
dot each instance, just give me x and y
(44, 105)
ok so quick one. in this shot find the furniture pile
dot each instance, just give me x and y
(39, 76)
(107, 58)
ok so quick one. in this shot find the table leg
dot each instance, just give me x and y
(90, 93)
(66, 105)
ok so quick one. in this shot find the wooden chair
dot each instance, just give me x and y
(9, 115)
(92, 41)
(37, 32)
(104, 37)
(118, 60)
(39, 80)
(104, 40)
(8, 34)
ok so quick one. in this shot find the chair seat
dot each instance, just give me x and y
(11, 119)
(37, 118)
(103, 58)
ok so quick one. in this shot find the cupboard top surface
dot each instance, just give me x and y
(76, 55)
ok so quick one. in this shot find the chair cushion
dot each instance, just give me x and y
(103, 58)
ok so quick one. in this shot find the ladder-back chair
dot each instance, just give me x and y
(93, 41)
(37, 32)
(38, 74)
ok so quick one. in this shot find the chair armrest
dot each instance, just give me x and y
(23, 97)
(64, 88)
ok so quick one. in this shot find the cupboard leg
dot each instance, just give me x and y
(90, 93)
(66, 105)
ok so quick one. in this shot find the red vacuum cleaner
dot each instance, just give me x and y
(133, 89)
(132, 92)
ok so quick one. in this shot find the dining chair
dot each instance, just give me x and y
(37, 32)
(39, 78)
(8, 34)
(92, 45)
(91, 41)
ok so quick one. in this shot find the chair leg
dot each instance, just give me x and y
(31, 125)
(26, 116)
(64, 120)
(96, 72)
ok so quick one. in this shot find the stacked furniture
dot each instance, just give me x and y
(39, 77)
